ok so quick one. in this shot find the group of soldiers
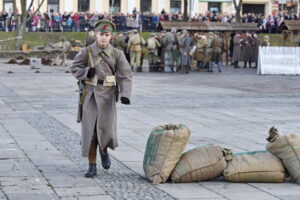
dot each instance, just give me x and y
(175, 51)
(171, 51)
(244, 48)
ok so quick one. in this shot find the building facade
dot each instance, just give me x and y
(170, 6)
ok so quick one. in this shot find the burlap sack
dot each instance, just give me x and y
(164, 148)
(200, 164)
(257, 166)
(287, 148)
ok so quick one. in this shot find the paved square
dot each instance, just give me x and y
(39, 145)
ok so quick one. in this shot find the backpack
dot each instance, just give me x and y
(151, 44)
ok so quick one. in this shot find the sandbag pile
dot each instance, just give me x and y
(164, 148)
(200, 164)
(164, 159)
(256, 166)
(286, 148)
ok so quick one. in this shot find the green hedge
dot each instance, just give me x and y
(43, 38)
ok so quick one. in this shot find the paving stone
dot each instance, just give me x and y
(79, 191)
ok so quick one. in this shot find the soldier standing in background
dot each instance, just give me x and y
(266, 41)
(247, 49)
(65, 46)
(119, 42)
(90, 39)
(186, 48)
(216, 58)
(255, 47)
(135, 46)
(103, 71)
(210, 48)
(127, 50)
(201, 43)
(152, 45)
(237, 48)
(170, 42)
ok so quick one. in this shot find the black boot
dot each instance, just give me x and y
(92, 171)
(105, 160)
(245, 64)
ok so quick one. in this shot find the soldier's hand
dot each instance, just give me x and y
(125, 101)
(91, 73)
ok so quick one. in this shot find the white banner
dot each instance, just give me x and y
(279, 60)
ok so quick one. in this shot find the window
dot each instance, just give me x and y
(145, 5)
(53, 5)
(175, 6)
(83, 5)
(114, 6)
(8, 6)
(214, 7)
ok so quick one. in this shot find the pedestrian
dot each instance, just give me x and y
(104, 71)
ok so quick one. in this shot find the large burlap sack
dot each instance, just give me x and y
(256, 166)
(287, 148)
(164, 148)
(200, 164)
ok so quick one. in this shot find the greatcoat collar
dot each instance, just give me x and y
(96, 50)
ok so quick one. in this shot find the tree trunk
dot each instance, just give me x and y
(237, 10)
(22, 19)
(185, 14)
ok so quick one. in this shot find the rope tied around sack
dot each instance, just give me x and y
(171, 126)
(273, 134)
(227, 153)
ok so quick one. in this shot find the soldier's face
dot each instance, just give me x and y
(103, 38)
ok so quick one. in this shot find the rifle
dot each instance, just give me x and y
(82, 94)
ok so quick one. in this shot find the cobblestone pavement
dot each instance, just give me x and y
(39, 145)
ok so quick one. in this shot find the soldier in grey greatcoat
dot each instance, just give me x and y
(237, 48)
(152, 46)
(171, 53)
(185, 52)
(101, 68)
(247, 49)
(255, 47)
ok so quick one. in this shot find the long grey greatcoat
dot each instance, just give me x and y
(237, 50)
(186, 43)
(99, 106)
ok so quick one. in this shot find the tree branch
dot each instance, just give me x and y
(30, 6)
(37, 10)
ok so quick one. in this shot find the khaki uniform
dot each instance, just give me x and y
(119, 43)
(99, 114)
(201, 44)
(152, 53)
(135, 47)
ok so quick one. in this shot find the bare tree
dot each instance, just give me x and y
(237, 10)
(185, 11)
(22, 18)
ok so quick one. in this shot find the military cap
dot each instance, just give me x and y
(152, 34)
(163, 31)
(173, 30)
(134, 31)
(184, 31)
(105, 26)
